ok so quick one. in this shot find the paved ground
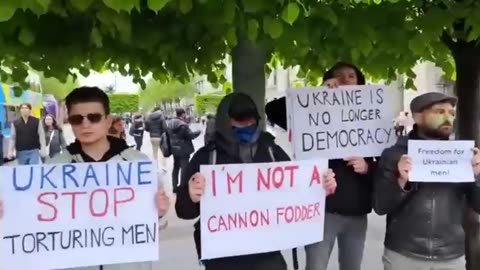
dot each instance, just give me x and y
(177, 250)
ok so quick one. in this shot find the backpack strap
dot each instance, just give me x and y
(270, 152)
(213, 157)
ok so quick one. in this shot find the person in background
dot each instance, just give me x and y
(137, 130)
(424, 220)
(53, 136)
(155, 125)
(28, 138)
(238, 139)
(118, 128)
(210, 129)
(181, 145)
(346, 211)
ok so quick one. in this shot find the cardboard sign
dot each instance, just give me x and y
(263, 207)
(338, 123)
(80, 214)
(441, 161)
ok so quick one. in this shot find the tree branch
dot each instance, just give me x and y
(448, 41)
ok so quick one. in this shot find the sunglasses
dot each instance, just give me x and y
(77, 119)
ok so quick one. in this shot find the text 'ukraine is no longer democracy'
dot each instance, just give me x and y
(341, 118)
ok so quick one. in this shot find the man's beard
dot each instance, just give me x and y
(436, 133)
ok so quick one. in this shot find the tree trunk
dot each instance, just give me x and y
(467, 62)
(248, 72)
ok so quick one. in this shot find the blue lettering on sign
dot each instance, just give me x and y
(141, 172)
(67, 171)
(90, 174)
(68, 176)
(46, 178)
(23, 188)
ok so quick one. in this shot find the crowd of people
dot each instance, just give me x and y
(424, 220)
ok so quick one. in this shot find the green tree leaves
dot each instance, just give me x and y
(185, 6)
(7, 10)
(290, 13)
(273, 27)
(157, 5)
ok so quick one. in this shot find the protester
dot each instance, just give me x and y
(424, 220)
(210, 129)
(155, 125)
(346, 211)
(238, 139)
(181, 145)
(118, 128)
(53, 136)
(89, 116)
(137, 130)
(28, 138)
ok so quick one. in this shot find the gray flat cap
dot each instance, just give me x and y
(426, 100)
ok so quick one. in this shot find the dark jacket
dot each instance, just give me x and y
(137, 129)
(155, 124)
(210, 129)
(424, 220)
(353, 196)
(228, 152)
(57, 143)
(181, 137)
(26, 134)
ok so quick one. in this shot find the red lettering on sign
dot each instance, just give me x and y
(232, 180)
(41, 200)
(316, 177)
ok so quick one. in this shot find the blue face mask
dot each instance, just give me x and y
(244, 134)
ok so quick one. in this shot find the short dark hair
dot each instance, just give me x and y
(86, 94)
(28, 105)
(179, 112)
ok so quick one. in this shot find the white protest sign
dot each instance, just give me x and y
(80, 214)
(338, 123)
(441, 161)
(261, 207)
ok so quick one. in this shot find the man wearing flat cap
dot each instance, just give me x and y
(424, 220)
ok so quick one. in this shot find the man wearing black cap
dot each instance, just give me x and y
(424, 220)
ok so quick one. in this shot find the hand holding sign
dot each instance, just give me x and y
(359, 164)
(329, 183)
(476, 161)
(332, 83)
(404, 168)
(162, 202)
(196, 187)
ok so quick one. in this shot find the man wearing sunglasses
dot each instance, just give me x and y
(89, 116)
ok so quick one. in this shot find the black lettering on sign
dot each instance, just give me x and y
(323, 140)
(139, 234)
(331, 98)
(72, 239)
(317, 119)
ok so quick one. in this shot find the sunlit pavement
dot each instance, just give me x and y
(177, 251)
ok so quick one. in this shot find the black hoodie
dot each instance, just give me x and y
(229, 151)
(353, 196)
(117, 146)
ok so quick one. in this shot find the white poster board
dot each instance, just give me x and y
(335, 123)
(261, 207)
(80, 214)
(441, 161)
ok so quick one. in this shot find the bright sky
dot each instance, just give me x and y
(102, 80)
